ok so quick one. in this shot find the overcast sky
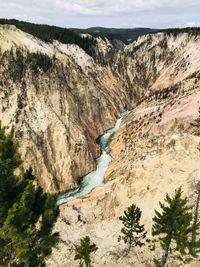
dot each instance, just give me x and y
(107, 13)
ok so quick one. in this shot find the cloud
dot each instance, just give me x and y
(192, 24)
(113, 13)
(115, 7)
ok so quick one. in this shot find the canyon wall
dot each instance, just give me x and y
(60, 100)
(58, 109)
(61, 104)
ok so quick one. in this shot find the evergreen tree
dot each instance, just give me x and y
(173, 226)
(133, 232)
(83, 252)
(194, 246)
(27, 214)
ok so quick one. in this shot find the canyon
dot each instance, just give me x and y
(59, 114)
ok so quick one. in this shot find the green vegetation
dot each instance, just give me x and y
(19, 70)
(19, 102)
(49, 33)
(133, 233)
(35, 61)
(175, 31)
(195, 242)
(165, 92)
(83, 252)
(27, 214)
(39, 61)
(125, 35)
(173, 226)
(175, 229)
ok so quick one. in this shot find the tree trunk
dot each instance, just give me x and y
(127, 251)
(129, 247)
(196, 213)
(165, 256)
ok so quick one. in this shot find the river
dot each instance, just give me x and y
(95, 178)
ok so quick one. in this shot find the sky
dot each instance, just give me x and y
(105, 13)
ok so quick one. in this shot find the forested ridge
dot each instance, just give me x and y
(49, 33)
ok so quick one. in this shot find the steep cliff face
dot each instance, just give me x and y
(59, 108)
(158, 61)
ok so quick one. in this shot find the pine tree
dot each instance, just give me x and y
(194, 245)
(173, 226)
(133, 232)
(83, 252)
(27, 214)
(9, 161)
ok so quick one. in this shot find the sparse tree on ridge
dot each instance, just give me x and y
(173, 226)
(195, 242)
(83, 251)
(133, 233)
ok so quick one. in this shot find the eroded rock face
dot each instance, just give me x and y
(158, 61)
(57, 113)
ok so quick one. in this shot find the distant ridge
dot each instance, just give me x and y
(122, 34)
(73, 35)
